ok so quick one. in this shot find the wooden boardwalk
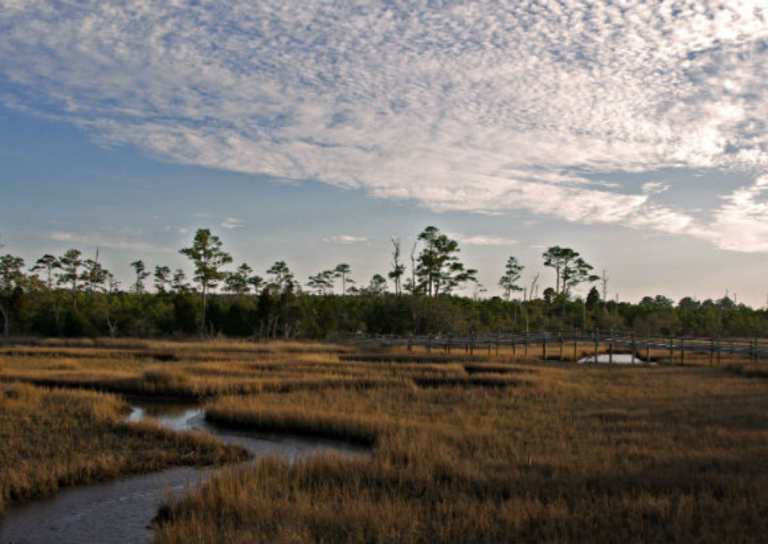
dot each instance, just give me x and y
(559, 344)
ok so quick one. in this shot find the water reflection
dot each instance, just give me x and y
(618, 358)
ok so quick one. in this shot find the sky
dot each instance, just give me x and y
(313, 131)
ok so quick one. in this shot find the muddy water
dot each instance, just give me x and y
(122, 511)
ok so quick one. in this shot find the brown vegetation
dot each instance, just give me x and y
(53, 439)
(466, 447)
(578, 454)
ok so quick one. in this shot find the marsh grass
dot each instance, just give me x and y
(755, 370)
(199, 371)
(464, 447)
(51, 439)
(580, 454)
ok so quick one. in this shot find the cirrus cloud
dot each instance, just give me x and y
(345, 239)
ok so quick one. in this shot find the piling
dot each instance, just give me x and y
(682, 352)
(610, 349)
(648, 347)
(597, 344)
(671, 351)
(634, 347)
(719, 352)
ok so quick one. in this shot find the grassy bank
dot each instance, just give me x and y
(578, 454)
(51, 439)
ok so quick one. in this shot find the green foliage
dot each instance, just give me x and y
(208, 257)
(141, 275)
(571, 270)
(511, 276)
(439, 270)
(184, 313)
(85, 301)
(76, 325)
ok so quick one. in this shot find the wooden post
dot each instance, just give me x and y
(648, 347)
(525, 345)
(514, 350)
(597, 344)
(719, 352)
(450, 341)
(671, 351)
(682, 351)
(610, 347)
(562, 345)
(544, 347)
(634, 347)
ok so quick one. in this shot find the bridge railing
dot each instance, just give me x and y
(599, 341)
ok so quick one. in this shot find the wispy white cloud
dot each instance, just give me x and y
(232, 223)
(345, 239)
(98, 240)
(484, 106)
(741, 223)
(482, 240)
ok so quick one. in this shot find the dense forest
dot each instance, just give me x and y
(74, 296)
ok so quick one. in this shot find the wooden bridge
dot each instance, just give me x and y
(560, 344)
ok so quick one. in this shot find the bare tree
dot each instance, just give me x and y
(397, 269)
(413, 267)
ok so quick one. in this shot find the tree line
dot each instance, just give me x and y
(71, 295)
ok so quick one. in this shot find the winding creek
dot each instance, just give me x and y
(122, 511)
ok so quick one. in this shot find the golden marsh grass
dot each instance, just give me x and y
(57, 438)
(578, 454)
(465, 447)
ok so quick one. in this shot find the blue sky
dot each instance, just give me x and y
(313, 131)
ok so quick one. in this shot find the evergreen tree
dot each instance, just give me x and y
(208, 257)
(439, 270)
(509, 280)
